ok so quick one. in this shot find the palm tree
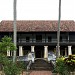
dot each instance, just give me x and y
(58, 32)
(15, 29)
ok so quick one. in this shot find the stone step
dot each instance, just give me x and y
(40, 65)
(40, 68)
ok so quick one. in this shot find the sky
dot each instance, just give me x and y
(37, 9)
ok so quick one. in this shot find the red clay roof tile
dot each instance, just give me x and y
(37, 25)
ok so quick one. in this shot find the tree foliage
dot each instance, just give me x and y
(7, 65)
(6, 44)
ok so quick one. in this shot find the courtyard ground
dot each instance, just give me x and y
(38, 73)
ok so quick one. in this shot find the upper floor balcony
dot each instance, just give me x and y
(45, 41)
(43, 38)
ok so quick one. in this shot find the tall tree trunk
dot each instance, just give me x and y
(58, 32)
(15, 29)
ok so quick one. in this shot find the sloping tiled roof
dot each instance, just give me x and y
(37, 25)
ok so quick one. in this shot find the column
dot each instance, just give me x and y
(11, 53)
(8, 52)
(58, 51)
(45, 51)
(32, 48)
(65, 52)
(69, 50)
(20, 51)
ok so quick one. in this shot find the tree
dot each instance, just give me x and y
(7, 65)
(6, 44)
(58, 32)
(15, 28)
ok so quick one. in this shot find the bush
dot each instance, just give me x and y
(9, 67)
(65, 65)
(22, 64)
(70, 62)
(12, 69)
(60, 67)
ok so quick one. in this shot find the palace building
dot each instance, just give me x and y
(40, 36)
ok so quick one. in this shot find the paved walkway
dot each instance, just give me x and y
(35, 73)
(39, 73)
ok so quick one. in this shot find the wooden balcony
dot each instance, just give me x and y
(45, 42)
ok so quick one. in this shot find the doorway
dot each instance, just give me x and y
(39, 52)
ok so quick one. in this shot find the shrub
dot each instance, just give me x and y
(65, 65)
(70, 62)
(22, 65)
(7, 65)
(60, 67)
(12, 69)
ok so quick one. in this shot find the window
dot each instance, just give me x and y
(27, 39)
(63, 38)
(38, 38)
(49, 38)
(60, 39)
